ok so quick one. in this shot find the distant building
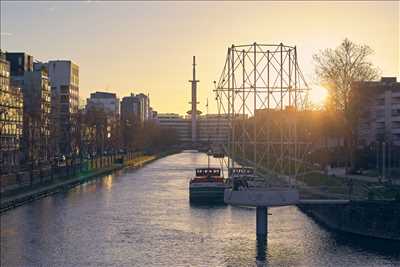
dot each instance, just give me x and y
(108, 106)
(144, 106)
(131, 110)
(64, 78)
(107, 101)
(178, 123)
(153, 115)
(212, 128)
(11, 113)
(380, 115)
(34, 83)
(36, 131)
(136, 108)
(19, 63)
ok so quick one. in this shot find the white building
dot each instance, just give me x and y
(211, 128)
(380, 116)
(181, 125)
(106, 101)
(64, 79)
(144, 106)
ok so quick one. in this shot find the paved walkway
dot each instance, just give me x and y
(339, 172)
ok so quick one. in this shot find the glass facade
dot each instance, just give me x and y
(36, 134)
(11, 119)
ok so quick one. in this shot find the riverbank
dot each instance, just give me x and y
(376, 219)
(10, 201)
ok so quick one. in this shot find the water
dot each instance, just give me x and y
(143, 218)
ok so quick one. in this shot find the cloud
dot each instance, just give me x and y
(6, 34)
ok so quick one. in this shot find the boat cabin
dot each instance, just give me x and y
(208, 172)
(241, 171)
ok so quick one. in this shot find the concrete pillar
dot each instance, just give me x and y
(262, 222)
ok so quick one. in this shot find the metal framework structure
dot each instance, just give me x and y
(263, 92)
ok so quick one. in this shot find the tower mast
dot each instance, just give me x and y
(194, 102)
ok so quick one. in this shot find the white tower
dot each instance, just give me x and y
(194, 102)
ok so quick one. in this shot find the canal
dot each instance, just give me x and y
(142, 217)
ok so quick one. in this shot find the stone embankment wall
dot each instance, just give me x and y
(24, 179)
(379, 219)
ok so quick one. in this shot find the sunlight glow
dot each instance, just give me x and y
(318, 95)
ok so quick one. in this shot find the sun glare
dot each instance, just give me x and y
(318, 95)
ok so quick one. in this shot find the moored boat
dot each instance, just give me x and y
(207, 186)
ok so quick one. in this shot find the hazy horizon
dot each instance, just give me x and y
(133, 47)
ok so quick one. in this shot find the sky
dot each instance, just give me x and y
(132, 47)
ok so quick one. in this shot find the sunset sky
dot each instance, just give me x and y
(147, 47)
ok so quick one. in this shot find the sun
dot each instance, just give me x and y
(318, 95)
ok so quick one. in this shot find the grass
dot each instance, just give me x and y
(318, 179)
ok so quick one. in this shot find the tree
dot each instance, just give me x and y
(338, 69)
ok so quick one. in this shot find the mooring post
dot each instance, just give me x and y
(262, 222)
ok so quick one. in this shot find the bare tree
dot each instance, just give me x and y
(338, 69)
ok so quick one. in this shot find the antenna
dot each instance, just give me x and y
(194, 102)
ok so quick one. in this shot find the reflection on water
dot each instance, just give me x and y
(143, 218)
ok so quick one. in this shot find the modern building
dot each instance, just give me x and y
(380, 111)
(64, 78)
(106, 101)
(105, 106)
(211, 129)
(11, 114)
(153, 114)
(131, 111)
(144, 106)
(19, 63)
(136, 108)
(132, 118)
(34, 83)
(36, 131)
(178, 123)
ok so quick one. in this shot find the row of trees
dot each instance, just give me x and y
(101, 133)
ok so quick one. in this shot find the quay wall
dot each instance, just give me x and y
(377, 219)
(30, 192)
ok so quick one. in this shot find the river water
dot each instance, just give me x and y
(143, 218)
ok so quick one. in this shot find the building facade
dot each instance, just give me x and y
(36, 131)
(211, 129)
(34, 83)
(131, 110)
(380, 111)
(144, 106)
(11, 115)
(176, 122)
(106, 101)
(19, 63)
(136, 108)
(64, 78)
(105, 106)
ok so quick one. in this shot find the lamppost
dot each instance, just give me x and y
(3, 123)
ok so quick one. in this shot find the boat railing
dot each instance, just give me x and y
(208, 172)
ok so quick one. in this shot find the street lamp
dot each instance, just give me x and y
(4, 111)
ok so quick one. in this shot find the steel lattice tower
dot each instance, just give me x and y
(263, 92)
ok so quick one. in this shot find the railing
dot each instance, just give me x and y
(29, 175)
